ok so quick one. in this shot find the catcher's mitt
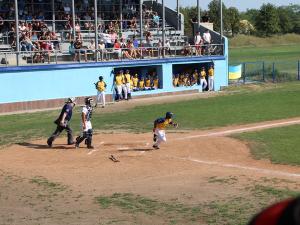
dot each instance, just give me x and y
(175, 125)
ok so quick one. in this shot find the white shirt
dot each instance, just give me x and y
(207, 37)
(198, 39)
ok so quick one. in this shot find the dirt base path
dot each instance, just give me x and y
(181, 169)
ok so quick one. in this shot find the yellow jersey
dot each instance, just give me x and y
(162, 123)
(135, 81)
(127, 78)
(175, 81)
(195, 75)
(203, 74)
(155, 83)
(141, 84)
(148, 83)
(101, 85)
(119, 80)
(211, 72)
(131, 84)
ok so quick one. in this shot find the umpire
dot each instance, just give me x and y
(62, 122)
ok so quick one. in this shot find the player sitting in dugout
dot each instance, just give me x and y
(141, 84)
(135, 82)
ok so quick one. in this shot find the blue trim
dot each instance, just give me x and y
(109, 64)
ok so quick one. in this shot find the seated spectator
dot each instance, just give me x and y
(71, 48)
(54, 40)
(117, 49)
(102, 50)
(187, 49)
(77, 28)
(133, 24)
(79, 50)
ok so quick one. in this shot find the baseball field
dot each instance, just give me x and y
(234, 153)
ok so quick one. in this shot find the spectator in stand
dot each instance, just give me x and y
(79, 50)
(54, 40)
(117, 49)
(149, 41)
(77, 28)
(168, 47)
(91, 48)
(133, 24)
(156, 20)
(187, 49)
(102, 50)
(198, 42)
(206, 40)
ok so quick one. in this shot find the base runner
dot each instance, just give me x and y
(159, 128)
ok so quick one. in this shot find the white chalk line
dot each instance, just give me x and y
(260, 170)
(96, 149)
(240, 130)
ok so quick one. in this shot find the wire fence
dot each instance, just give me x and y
(263, 71)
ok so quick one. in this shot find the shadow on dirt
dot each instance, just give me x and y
(43, 147)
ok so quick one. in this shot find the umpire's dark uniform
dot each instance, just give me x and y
(62, 122)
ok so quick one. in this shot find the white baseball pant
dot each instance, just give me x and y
(101, 98)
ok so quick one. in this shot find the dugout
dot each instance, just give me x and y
(143, 72)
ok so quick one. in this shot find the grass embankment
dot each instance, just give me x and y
(284, 48)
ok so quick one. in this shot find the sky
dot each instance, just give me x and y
(242, 5)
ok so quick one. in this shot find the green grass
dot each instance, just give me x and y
(234, 210)
(283, 48)
(242, 107)
(280, 145)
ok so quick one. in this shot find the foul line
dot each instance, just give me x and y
(240, 130)
(265, 171)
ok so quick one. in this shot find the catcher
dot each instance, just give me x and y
(159, 128)
(87, 130)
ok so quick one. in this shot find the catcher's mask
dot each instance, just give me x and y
(169, 115)
(88, 101)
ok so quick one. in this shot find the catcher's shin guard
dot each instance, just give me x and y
(154, 137)
(89, 138)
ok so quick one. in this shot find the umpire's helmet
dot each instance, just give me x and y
(169, 115)
(71, 100)
(88, 101)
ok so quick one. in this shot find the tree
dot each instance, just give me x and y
(246, 27)
(285, 19)
(233, 17)
(250, 15)
(214, 15)
(188, 13)
(267, 21)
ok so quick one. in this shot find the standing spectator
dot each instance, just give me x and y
(168, 47)
(156, 20)
(206, 40)
(79, 50)
(211, 74)
(100, 86)
(86, 125)
(62, 122)
(198, 42)
(149, 41)
(203, 82)
(102, 50)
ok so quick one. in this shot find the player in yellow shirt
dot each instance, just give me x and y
(203, 82)
(148, 83)
(176, 80)
(124, 87)
(100, 86)
(181, 79)
(159, 129)
(118, 84)
(127, 79)
(211, 73)
(141, 84)
(155, 83)
(196, 77)
(135, 81)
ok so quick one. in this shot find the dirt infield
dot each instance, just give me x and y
(39, 185)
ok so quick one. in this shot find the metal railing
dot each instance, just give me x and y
(84, 55)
